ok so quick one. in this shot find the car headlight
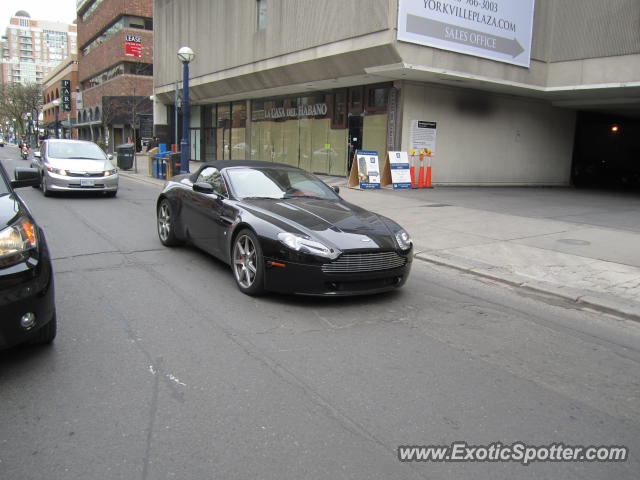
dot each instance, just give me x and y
(404, 240)
(16, 241)
(108, 173)
(58, 171)
(302, 243)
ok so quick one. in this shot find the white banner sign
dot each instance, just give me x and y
(423, 135)
(495, 29)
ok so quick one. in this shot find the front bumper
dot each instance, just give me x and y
(66, 183)
(26, 287)
(306, 279)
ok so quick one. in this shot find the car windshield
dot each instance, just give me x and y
(79, 150)
(277, 183)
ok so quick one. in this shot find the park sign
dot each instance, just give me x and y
(65, 95)
(496, 29)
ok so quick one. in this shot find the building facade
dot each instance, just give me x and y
(59, 99)
(307, 82)
(115, 71)
(31, 49)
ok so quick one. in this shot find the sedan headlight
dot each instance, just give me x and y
(404, 240)
(58, 171)
(16, 241)
(108, 173)
(302, 243)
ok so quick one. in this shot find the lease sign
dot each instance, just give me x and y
(133, 46)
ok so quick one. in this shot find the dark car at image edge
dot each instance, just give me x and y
(27, 303)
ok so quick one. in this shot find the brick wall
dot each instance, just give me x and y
(119, 86)
(111, 53)
(106, 12)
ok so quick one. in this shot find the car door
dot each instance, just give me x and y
(204, 216)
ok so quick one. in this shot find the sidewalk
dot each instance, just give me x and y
(595, 266)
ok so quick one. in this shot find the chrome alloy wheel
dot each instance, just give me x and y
(244, 261)
(164, 222)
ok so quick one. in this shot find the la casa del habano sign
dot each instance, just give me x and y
(316, 110)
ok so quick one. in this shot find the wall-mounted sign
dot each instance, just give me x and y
(495, 29)
(65, 95)
(133, 46)
(423, 135)
(318, 109)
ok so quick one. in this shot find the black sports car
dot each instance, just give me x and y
(282, 229)
(27, 307)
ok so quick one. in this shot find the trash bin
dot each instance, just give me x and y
(174, 164)
(125, 155)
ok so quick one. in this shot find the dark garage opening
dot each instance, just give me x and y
(606, 152)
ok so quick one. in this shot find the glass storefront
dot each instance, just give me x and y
(315, 132)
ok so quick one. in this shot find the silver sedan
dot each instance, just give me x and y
(75, 166)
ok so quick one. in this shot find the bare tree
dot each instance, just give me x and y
(16, 100)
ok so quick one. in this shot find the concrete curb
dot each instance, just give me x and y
(586, 301)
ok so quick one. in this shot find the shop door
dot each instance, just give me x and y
(354, 139)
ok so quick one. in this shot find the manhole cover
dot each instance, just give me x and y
(573, 241)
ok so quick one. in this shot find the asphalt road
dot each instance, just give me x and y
(163, 369)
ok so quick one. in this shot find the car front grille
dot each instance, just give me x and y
(85, 174)
(365, 262)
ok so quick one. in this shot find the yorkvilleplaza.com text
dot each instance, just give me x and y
(515, 452)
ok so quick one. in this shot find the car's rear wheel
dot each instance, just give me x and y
(45, 334)
(247, 263)
(166, 227)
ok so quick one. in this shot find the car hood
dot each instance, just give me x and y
(334, 222)
(10, 208)
(80, 165)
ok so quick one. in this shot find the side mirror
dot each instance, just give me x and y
(36, 154)
(25, 177)
(336, 189)
(203, 187)
(110, 156)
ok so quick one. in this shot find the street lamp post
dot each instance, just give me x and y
(185, 55)
(56, 105)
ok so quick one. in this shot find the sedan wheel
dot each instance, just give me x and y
(45, 191)
(166, 230)
(248, 264)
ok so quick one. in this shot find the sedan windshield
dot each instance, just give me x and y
(79, 150)
(277, 183)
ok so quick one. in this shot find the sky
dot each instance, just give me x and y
(54, 10)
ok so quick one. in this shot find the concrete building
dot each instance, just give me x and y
(31, 49)
(59, 95)
(305, 82)
(115, 70)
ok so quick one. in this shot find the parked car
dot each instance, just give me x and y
(75, 166)
(1, 142)
(27, 305)
(282, 229)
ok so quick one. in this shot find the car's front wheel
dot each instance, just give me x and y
(45, 190)
(166, 227)
(247, 263)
